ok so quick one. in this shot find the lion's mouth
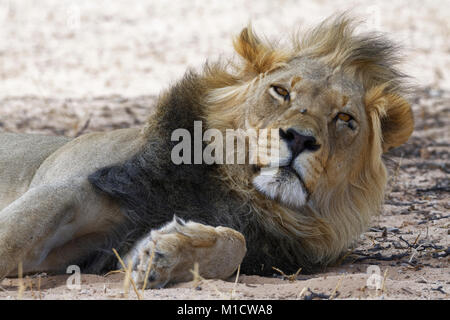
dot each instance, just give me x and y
(288, 169)
(283, 184)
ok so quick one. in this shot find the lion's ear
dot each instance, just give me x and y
(395, 114)
(259, 57)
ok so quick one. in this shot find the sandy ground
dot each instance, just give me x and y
(74, 67)
(61, 48)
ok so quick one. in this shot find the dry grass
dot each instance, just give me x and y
(338, 285)
(147, 272)
(235, 282)
(21, 287)
(128, 277)
(291, 277)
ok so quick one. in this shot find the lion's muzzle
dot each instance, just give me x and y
(298, 142)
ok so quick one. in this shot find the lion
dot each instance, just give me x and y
(337, 101)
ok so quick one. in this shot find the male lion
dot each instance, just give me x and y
(336, 99)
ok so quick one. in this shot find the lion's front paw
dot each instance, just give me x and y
(169, 254)
(151, 263)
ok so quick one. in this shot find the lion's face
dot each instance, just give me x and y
(322, 127)
(335, 108)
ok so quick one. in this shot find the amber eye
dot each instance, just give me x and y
(282, 92)
(344, 117)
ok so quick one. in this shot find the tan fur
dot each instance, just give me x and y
(52, 212)
(217, 251)
(394, 112)
(343, 201)
(259, 57)
(57, 202)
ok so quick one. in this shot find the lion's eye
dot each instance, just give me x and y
(344, 117)
(282, 92)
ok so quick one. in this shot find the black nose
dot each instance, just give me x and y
(298, 142)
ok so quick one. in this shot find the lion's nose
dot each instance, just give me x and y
(298, 142)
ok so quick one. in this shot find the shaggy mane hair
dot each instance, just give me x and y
(151, 189)
(343, 212)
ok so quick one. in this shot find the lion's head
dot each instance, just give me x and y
(336, 101)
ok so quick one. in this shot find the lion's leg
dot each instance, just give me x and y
(178, 246)
(29, 221)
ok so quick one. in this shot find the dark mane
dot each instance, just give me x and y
(151, 190)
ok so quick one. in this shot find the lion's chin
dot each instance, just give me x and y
(281, 184)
